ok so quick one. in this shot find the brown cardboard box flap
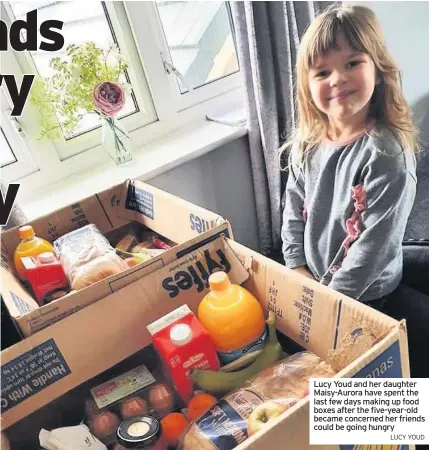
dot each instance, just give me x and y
(153, 207)
(306, 309)
(60, 222)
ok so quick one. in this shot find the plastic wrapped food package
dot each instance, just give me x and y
(245, 411)
(87, 257)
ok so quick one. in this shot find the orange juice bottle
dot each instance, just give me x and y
(233, 317)
(30, 245)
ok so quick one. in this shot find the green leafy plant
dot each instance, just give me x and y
(65, 97)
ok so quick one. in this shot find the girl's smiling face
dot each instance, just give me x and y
(342, 83)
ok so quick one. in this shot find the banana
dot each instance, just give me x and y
(219, 383)
(143, 257)
(242, 362)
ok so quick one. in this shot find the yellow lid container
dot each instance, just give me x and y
(233, 317)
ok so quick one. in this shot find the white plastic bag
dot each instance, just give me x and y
(70, 438)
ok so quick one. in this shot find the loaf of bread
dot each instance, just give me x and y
(98, 269)
(87, 257)
(290, 378)
(225, 424)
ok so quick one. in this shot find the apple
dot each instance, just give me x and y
(263, 414)
(132, 261)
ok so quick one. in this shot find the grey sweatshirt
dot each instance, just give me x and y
(346, 209)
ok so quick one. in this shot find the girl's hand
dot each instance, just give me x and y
(304, 271)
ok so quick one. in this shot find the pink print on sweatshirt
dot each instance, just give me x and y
(354, 224)
(335, 268)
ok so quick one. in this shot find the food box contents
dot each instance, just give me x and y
(127, 242)
(134, 393)
(247, 410)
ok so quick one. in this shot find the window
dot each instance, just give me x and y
(80, 25)
(199, 40)
(182, 65)
(92, 23)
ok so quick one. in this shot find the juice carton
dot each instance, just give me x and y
(46, 276)
(184, 344)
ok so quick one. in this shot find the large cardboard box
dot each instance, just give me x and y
(359, 340)
(113, 211)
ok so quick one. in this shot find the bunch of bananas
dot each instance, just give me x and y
(222, 382)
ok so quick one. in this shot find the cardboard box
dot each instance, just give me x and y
(105, 333)
(112, 211)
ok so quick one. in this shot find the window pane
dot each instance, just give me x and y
(83, 22)
(6, 155)
(200, 40)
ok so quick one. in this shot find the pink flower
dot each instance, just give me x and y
(109, 98)
(334, 268)
(353, 226)
(359, 196)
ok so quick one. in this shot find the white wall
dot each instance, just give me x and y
(220, 181)
(405, 26)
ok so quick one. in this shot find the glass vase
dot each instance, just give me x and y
(116, 141)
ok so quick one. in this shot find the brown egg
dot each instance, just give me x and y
(161, 398)
(104, 424)
(133, 406)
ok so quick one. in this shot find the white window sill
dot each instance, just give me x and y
(154, 159)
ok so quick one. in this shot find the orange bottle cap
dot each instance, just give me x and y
(26, 232)
(219, 281)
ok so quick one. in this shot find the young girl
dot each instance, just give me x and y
(352, 175)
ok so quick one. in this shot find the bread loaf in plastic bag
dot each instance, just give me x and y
(87, 257)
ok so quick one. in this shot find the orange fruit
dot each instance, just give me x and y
(199, 405)
(173, 425)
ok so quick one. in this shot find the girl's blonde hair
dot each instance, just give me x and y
(361, 29)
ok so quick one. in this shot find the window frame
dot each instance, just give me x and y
(3, 138)
(16, 140)
(173, 110)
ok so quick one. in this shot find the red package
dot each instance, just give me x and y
(161, 244)
(184, 344)
(46, 276)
